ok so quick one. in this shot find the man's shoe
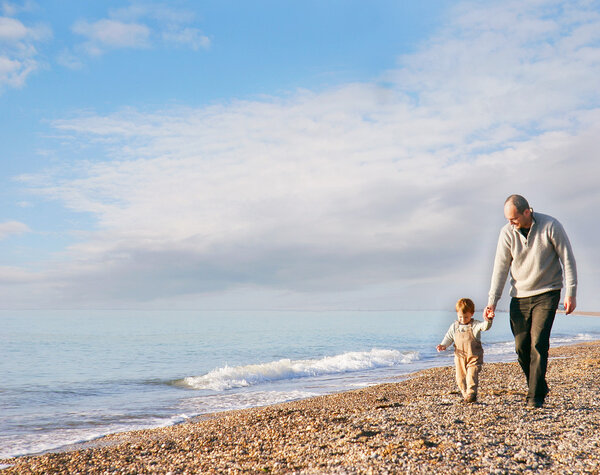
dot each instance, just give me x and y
(538, 401)
(470, 398)
(535, 403)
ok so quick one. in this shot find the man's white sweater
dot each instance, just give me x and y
(534, 261)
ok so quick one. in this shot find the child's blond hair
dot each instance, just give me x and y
(465, 305)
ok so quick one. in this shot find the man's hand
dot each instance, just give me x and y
(489, 312)
(570, 304)
(441, 348)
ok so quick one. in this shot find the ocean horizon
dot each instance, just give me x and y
(74, 376)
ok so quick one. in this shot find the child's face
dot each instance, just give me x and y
(464, 317)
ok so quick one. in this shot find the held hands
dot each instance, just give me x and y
(488, 313)
(441, 348)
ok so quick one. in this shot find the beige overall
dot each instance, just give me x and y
(468, 358)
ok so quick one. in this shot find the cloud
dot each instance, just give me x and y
(172, 25)
(9, 228)
(191, 37)
(391, 189)
(107, 34)
(12, 30)
(140, 26)
(18, 53)
(13, 9)
(70, 60)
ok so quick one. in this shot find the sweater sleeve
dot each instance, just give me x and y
(448, 337)
(481, 326)
(565, 253)
(502, 263)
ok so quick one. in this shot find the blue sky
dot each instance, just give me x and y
(314, 154)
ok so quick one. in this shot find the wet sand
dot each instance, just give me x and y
(420, 425)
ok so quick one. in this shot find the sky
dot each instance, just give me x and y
(312, 155)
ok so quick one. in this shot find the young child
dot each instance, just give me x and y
(465, 333)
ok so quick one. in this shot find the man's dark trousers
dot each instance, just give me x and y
(531, 320)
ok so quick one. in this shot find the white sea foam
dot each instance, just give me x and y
(242, 400)
(508, 347)
(570, 340)
(35, 443)
(502, 348)
(229, 377)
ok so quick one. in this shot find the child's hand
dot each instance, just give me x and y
(440, 348)
(489, 314)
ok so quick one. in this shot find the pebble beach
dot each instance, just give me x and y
(419, 425)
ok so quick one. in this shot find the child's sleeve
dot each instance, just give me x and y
(486, 325)
(479, 327)
(448, 337)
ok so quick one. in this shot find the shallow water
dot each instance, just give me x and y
(69, 377)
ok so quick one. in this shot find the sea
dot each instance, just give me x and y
(70, 377)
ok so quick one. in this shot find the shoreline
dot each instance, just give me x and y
(581, 314)
(419, 424)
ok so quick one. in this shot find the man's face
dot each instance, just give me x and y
(518, 220)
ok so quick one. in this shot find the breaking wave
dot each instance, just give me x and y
(229, 377)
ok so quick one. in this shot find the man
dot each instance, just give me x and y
(533, 247)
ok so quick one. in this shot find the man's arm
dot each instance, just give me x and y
(565, 253)
(502, 263)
